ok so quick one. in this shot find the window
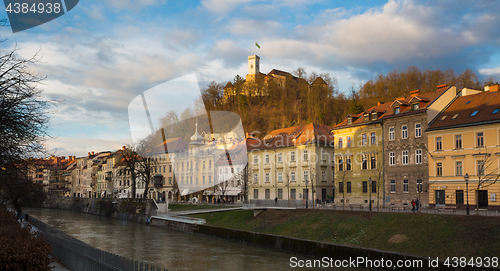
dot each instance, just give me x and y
(292, 156)
(255, 178)
(366, 117)
(480, 139)
(348, 144)
(255, 160)
(404, 132)
(365, 187)
(396, 110)
(268, 193)
(374, 187)
(374, 115)
(341, 145)
(305, 192)
(292, 176)
(373, 162)
(323, 175)
(415, 106)
(348, 187)
(169, 180)
(306, 175)
(280, 157)
(459, 195)
(306, 155)
(418, 130)
(363, 139)
(280, 193)
(341, 164)
(495, 111)
(392, 158)
(256, 193)
(267, 159)
(341, 187)
(418, 156)
(323, 193)
(458, 168)
(405, 158)
(348, 163)
(474, 113)
(280, 177)
(391, 133)
(439, 169)
(405, 186)
(455, 116)
(419, 186)
(480, 167)
(364, 162)
(393, 186)
(349, 120)
(458, 141)
(373, 139)
(444, 117)
(293, 193)
(267, 177)
(439, 144)
(203, 179)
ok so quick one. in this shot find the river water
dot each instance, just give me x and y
(164, 248)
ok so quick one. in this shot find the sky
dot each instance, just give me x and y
(101, 55)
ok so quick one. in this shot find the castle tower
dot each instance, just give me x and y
(253, 68)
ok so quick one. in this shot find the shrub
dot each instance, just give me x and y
(20, 249)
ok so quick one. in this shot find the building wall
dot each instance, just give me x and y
(451, 178)
(357, 175)
(413, 171)
(319, 159)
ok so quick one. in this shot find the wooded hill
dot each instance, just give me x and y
(302, 103)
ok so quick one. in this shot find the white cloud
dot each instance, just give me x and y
(223, 6)
(490, 71)
(66, 146)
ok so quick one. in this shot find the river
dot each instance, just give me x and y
(164, 248)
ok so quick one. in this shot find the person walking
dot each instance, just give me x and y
(413, 205)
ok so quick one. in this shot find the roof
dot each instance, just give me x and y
(229, 85)
(462, 111)
(383, 110)
(237, 154)
(287, 137)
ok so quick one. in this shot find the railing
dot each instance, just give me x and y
(77, 255)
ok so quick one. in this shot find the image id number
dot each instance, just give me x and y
(34, 8)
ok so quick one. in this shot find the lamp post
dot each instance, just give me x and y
(466, 178)
(306, 196)
(370, 185)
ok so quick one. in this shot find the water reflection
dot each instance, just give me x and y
(167, 249)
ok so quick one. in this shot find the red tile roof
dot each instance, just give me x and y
(298, 135)
(485, 103)
(382, 109)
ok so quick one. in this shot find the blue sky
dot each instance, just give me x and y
(102, 54)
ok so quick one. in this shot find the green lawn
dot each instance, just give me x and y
(414, 233)
(188, 207)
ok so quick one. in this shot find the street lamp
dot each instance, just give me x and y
(370, 183)
(306, 196)
(466, 178)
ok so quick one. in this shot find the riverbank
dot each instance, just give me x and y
(410, 233)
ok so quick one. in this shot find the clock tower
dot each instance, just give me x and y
(253, 67)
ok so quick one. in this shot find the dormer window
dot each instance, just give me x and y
(349, 120)
(415, 106)
(396, 110)
(374, 115)
(366, 117)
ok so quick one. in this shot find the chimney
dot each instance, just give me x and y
(89, 154)
(92, 153)
(63, 157)
(123, 147)
(492, 88)
(440, 87)
(379, 103)
(415, 93)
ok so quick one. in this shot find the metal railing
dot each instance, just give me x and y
(76, 255)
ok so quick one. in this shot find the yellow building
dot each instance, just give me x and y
(359, 159)
(464, 140)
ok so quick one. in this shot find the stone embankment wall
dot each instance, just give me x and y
(137, 210)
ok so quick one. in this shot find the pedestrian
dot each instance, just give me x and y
(276, 201)
(413, 205)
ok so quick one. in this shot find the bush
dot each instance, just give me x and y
(20, 249)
